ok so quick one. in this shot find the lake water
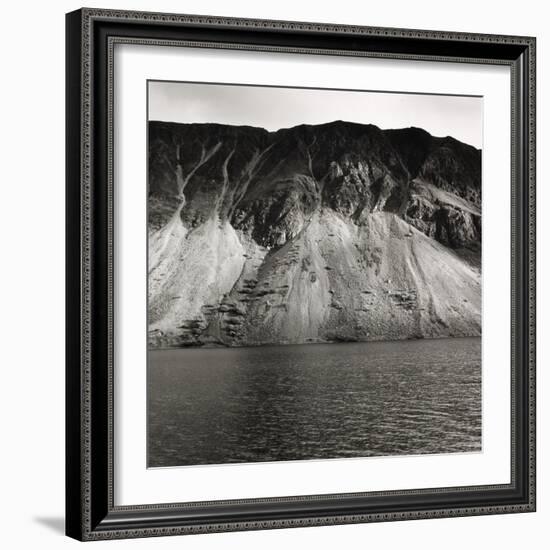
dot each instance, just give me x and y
(213, 406)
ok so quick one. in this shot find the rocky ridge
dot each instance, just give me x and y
(334, 232)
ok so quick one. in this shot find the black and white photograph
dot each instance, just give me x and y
(300, 277)
(314, 274)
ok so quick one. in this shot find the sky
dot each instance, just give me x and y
(273, 108)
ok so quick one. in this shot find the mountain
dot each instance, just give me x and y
(333, 232)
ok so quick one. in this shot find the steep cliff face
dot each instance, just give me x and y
(333, 232)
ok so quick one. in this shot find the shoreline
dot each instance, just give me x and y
(318, 342)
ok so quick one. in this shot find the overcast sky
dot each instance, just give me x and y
(275, 108)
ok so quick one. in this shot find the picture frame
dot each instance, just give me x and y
(91, 330)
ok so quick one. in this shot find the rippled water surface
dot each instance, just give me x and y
(212, 406)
